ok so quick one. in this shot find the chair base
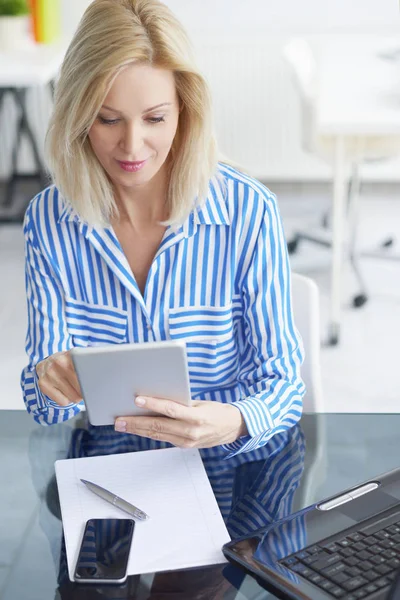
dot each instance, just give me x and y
(322, 238)
(333, 334)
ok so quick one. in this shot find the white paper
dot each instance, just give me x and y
(185, 528)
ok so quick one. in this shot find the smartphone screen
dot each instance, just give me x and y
(103, 556)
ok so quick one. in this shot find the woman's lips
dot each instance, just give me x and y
(131, 167)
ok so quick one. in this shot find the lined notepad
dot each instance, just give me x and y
(185, 528)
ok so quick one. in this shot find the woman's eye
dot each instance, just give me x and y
(156, 119)
(108, 121)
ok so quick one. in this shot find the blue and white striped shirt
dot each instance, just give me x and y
(221, 282)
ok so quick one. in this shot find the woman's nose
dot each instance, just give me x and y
(132, 141)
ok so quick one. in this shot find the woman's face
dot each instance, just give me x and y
(134, 130)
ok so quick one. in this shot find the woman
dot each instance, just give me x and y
(146, 237)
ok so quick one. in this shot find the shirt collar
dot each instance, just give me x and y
(213, 211)
(68, 213)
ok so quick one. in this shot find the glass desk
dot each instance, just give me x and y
(319, 458)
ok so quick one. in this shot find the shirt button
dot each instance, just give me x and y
(148, 327)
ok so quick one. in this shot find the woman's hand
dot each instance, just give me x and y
(203, 425)
(58, 379)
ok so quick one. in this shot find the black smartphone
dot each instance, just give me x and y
(104, 552)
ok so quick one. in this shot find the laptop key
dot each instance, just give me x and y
(302, 554)
(331, 547)
(337, 592)
(333, 570)
(371, 575)
(313, 549)
(370, 540)
(365, 565)
(354, 571)
(359, 546)
(393, 529)
(325, 561)
(309, 560)
(387, 544)
(382, 582)
(326, 585)
(340, 578)
(371, 588)
(289, 562)
(354, 583)
(356, 537)
(301, 569)
(361, 564)
(352, 561)
(364, 555)
(378, 560)
(316, 578)
(394, 563)
(383, 569)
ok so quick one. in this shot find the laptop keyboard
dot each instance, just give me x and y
(354, 566)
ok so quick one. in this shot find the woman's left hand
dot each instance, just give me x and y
(202, 425)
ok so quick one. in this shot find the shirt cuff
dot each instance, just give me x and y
(259, 425)
(256, 415)
(42, 399)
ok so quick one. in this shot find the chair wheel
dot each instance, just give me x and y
(333, 339)
(388, 243)
(292, 245)
(333, 334)
(360, 300)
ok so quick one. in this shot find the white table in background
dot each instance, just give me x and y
(29, 66)
(359, 98)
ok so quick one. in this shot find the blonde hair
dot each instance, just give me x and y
(111, 35)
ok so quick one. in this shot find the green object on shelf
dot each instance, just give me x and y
(13, 8)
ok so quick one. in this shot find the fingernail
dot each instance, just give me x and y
(140, 401)
(120, 425)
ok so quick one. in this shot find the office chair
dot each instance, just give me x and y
(301, 55)
(305, 299)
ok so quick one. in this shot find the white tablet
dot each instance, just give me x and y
(111, 376)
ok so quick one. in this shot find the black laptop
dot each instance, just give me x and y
(347, 546)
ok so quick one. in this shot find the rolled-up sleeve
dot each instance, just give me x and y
(272, 357)
(47, 331)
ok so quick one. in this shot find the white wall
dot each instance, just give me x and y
(268, 143)
(279, 16)
(288, 16)
(71, 12)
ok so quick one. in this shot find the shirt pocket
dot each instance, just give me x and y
(95, 324)
(210, 343)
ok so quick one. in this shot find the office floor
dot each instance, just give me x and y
(358, 375)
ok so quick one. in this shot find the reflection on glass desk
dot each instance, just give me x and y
(316, 459)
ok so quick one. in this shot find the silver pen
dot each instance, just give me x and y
(116, 500)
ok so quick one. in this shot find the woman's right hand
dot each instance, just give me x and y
(58, 380)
